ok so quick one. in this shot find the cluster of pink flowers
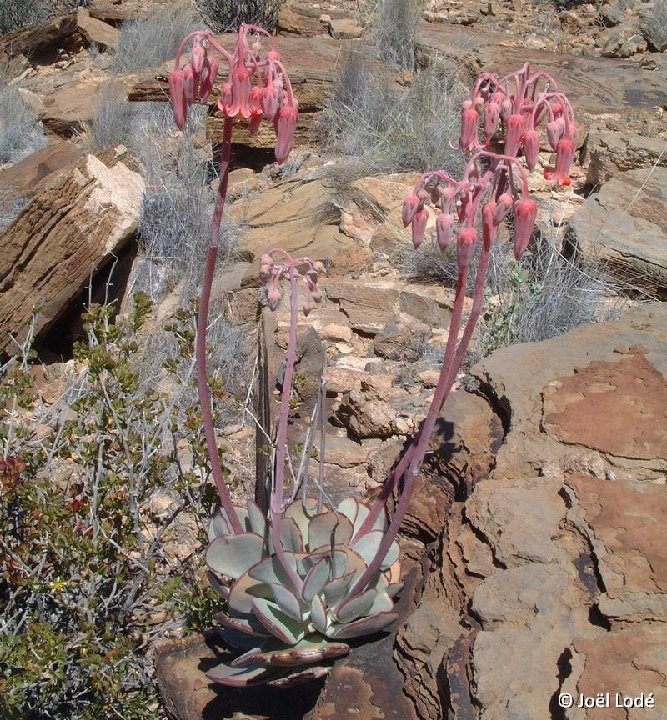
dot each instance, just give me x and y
(512, 108)
(494, 189)
(257, 87)
(305, 269)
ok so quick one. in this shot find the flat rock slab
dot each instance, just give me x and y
(594, 85)
(619, 408)
(67, 230)
(625, 225)
(625, 522)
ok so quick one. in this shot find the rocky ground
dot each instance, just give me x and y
(534, 547)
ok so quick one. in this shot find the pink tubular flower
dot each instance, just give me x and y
(274, 294)
(489, 226)
(503, 206)
(271, 100)
(491, 119)
(211, 68)
(177, 97)
(198, 57)
(466, 247)
(525, 212)
(444, 228)
(531, 148)
(188, 85)
(410, 206)
(555, 130)
(256, 112)
(469, 125)
(240, 91)
(285, 125)
(564, 157)
(419, 226)
(515, 126)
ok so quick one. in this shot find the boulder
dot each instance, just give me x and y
(43, 40)
(624, 225)
(95, 31)
(74, 225)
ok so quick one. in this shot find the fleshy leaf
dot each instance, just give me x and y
(365, 626)
(305, 652)
(335, 590)
(239, 631)
(291, 536)
(368, 545)
(356, 606)
(327, 529)
(219, 524)
(316, 579)
(318, 615)
(240, 600)
(287, 602)
(355, 511)
(222, 590)
(256, 519)
(232, 555)
(301, 515)
(299, 677)
(238, 677)
(279, 624)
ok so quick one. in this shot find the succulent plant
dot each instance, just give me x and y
(287, 624)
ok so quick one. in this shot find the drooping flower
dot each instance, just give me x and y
(564, 157)
(419, 226)
(531, 148)
(555, 130)
(491, 119)
(514, 133)
(240, 78)
(469, 125)
(285, 125)
(444, 230)
(465, 247)
(525, 212)
(410, 206)
(503, 205)
(177, 98)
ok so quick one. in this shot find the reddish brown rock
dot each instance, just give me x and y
(95, 31)
(629, 662)
(618, 408)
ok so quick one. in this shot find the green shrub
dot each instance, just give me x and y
(85, 556)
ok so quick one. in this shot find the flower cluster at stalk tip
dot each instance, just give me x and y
(257, 87)
(512, 108)
(305, 269)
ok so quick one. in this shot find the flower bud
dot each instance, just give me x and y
(465, 247)
(273, 295)
(555, 130)
(515, 126)
(411, 204)
(503, 206)
(177, 98)
(491, 119)
(525, 212)
(285, 125)
(469, 125)
(444, 227)
(531, 148)
(419, 226)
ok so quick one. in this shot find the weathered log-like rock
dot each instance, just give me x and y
(97, 32)
(42, 40)
(67, 230)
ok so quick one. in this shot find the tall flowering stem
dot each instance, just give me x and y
(256, 89)
(499, 124)
(276, 265)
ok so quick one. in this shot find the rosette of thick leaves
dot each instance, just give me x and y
(287, 632)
